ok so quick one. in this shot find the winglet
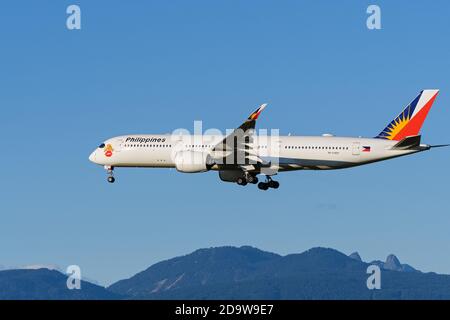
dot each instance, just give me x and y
(256, 113)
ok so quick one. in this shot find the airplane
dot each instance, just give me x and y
(242, 155)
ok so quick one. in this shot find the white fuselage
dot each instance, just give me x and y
(289, 152)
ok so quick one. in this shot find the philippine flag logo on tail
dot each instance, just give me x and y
(410, 120)
(366, 149)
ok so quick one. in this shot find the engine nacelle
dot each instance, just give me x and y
(191, 161)
(230, 175)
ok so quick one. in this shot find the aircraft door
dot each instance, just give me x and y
(120, 145)
(356, 148)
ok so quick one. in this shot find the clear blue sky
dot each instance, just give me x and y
(151, 67)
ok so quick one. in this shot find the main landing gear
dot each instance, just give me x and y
(110, 171)
(248, 178)
(268, 184)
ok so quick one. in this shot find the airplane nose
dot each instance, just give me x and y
(92, 157)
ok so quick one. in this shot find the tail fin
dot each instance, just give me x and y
(410, 120)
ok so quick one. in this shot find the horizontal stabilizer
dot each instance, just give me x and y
(408, 143)
(440, 145)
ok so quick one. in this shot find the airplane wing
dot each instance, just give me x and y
(237, 149)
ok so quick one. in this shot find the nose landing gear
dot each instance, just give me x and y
(110, 171)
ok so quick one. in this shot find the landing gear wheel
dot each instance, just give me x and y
(241, 181)
(274, 184)
(252, 179)
(263, 186)
(110, 171)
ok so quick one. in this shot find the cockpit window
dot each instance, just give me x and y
(101, 146)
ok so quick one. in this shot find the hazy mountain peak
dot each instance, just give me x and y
(246, 251)
(41, 266)
(392, 263)
(208, 266)
(355, 255)
(323, 250)
(43, 283)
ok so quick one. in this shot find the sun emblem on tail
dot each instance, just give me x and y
(396, 126)
(108, 150)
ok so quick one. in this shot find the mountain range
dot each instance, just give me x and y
(46, 284)
(242, 273)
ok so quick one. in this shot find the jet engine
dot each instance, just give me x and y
(192, 161)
